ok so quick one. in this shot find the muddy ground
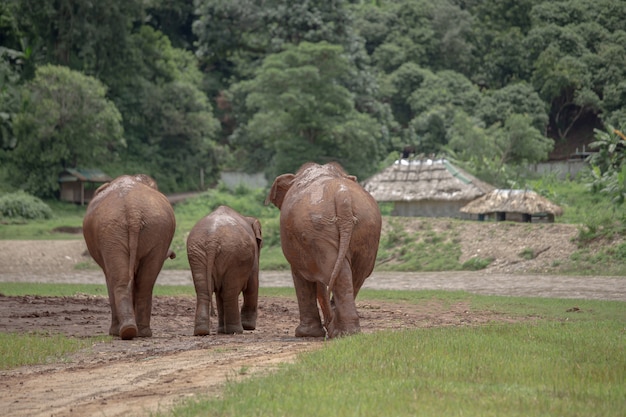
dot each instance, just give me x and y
(142, 376)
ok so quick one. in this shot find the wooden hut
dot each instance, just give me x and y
(425, 187)
(78, 185)
(513, 205)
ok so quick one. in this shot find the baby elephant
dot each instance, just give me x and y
(223, 251)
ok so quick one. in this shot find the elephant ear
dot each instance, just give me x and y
(256, 226)
(281, 185)
(101, 188)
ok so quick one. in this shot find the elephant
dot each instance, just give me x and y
(223, 250)
(329, 229)
(128, 228)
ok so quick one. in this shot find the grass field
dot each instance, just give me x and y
(553, 362)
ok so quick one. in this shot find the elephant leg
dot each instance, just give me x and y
(250, 302)
(220, 312)
(310, 321)
(144, 284)
(228, 312)
(345, 319)
(114, 330)
(122, 287)
(202, 324)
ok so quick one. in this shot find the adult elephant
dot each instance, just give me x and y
(223, 251)
(329, 230)
(128, 228)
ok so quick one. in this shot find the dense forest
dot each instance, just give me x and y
(174, 87)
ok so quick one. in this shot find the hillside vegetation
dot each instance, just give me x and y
(183, 91)
(588, 239)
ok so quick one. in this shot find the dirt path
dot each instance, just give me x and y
(139, 377)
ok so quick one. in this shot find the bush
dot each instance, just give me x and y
(20, 205)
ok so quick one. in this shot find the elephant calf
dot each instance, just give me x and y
(223, 251)
(128, 228)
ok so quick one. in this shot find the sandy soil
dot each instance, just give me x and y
(144, 375)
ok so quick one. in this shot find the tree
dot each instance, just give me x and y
(10, 92)
(65, 122)
(608, 173)
(168, 120)
(302, 112)
(435, 102)
(498, 153)
(496, 106)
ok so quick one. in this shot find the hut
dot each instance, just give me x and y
(425, 187)
(78, 185)
(513, 205)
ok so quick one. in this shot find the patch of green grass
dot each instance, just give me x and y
(424, 250)
(11, 289)
(527, 254)
(30, 349)
(547, 368)
(51, 290)
(476, 264)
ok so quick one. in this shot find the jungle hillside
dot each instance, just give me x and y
(184, 90)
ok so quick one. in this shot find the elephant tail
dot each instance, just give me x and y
(210, 262)
(133, 244)
(324, 301)
(345, 225)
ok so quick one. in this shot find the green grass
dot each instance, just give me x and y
(31, 349)
(525, 369)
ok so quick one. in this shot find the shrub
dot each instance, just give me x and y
(20, 205)
(476, 264)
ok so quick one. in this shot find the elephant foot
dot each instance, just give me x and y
(128, 332)
(248, 321)
(230, 329)
(145, 332)
(310, 330)
(339, 331)
(201, 330)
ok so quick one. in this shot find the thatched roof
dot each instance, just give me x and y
(512, 201)
(418, 180)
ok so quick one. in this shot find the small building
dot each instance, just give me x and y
(425, 187)
(513, 205)
(78, 185)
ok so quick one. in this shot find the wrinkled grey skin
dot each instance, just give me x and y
(223, 251)
(329, 230)
(128, 228)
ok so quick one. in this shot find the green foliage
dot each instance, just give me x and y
(301, 111)
(248, 203)
(19, 206)
(66, 121)
(169, 122)
(608, 174)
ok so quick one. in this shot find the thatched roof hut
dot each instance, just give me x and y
(425, 187)
(516, 205)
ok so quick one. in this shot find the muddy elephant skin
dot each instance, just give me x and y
(128, 228)
(329, 229)
(223, 251)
